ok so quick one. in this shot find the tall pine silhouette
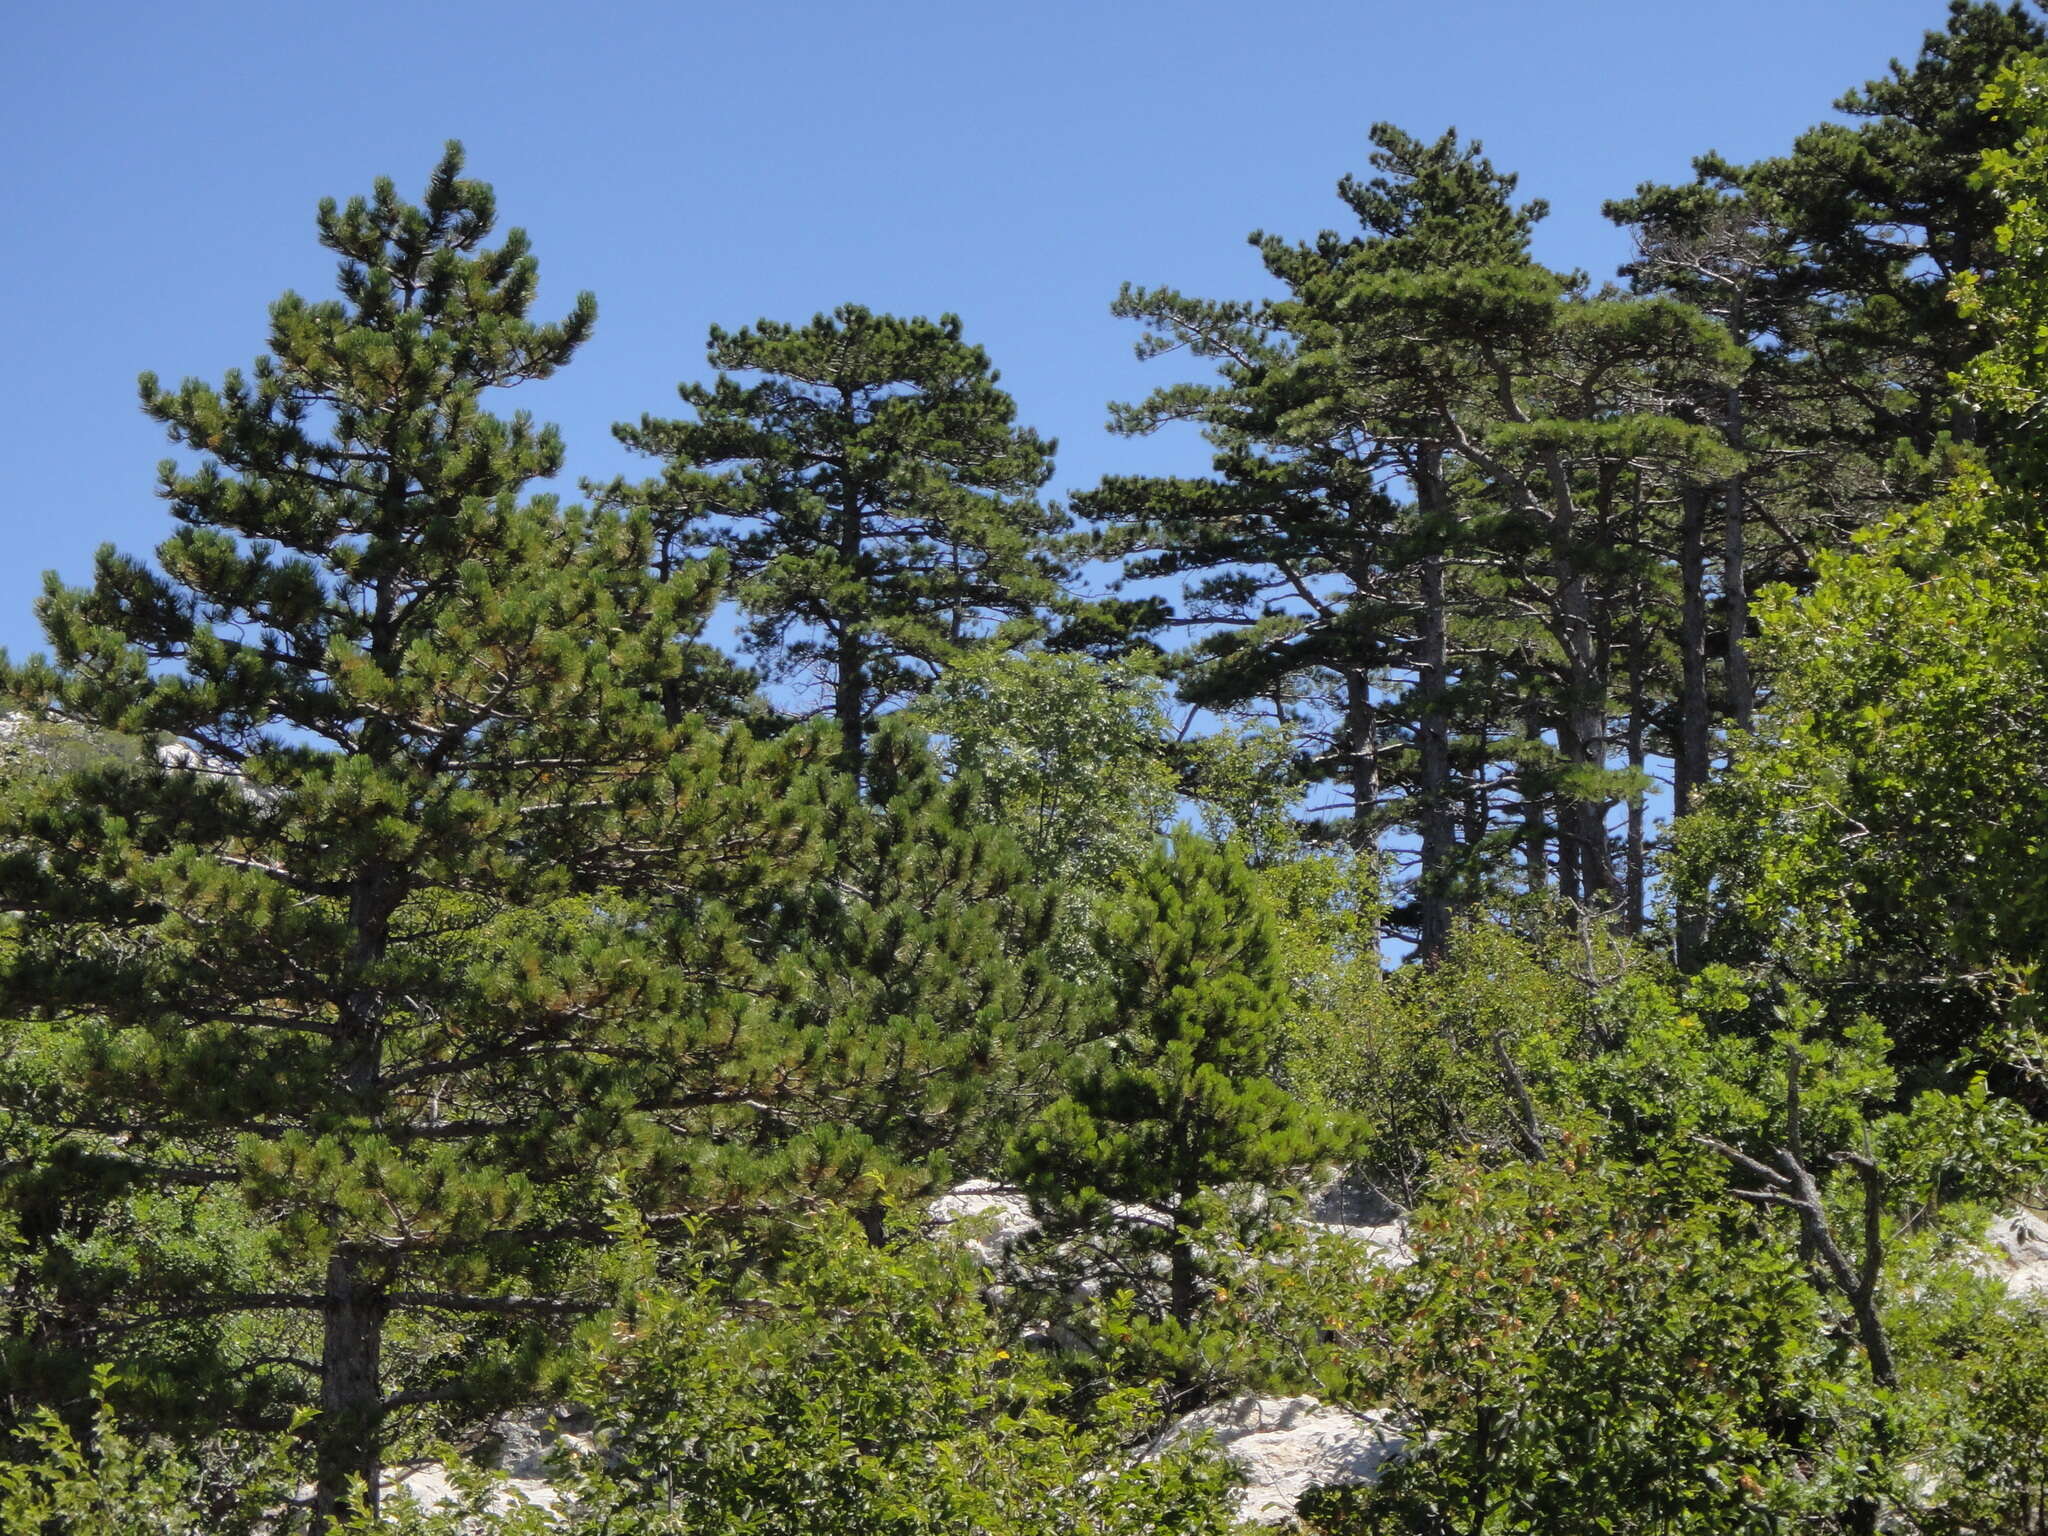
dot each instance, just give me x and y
(875, 495)
(409, 932)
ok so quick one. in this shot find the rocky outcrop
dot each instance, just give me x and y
(434, 1486)
(522, 1448)
(1285, 1446)
(2017, 1253)
(991, 1219)
(1388, 1242)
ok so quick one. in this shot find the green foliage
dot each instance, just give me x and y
(1888, 211)
(108, 1483)
(1173, 1140)
(1423, 1057)
(1586, 1346)
(918, 1010)
(876, 498)
(1437, 466)
(1071, 755)
(861, 1389)
(32, 748)
(406, 956)
(413, 946)
(1991, 1471)
(1881, 837)
(1865, 840)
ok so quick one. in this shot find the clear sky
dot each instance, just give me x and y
(693, 163)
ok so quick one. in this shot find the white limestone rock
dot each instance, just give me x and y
(431, 1487)
(1388, 1242)
(1285, 1446)
(2017, 1253)
(993, 1218)
(520, 1449)
(524, 1444)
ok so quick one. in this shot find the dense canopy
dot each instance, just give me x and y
(1511, 906)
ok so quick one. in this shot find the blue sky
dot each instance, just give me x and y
(693, 163)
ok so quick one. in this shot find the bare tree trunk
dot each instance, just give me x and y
(1791, 1185)
(1638, 859)
(1734, 579)
(1693, 761)
(849, 702)
(1694, 732)
(1535, 810)
(1582, 724)
(1582, 739)
(349, 1429)
(1362, 760)
(849, 684)
(1433, 728)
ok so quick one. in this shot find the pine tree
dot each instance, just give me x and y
(1889, 211)
(410, 933)
(1423, 533)
(921, 1015)
(875, 495)
(1175, 1109)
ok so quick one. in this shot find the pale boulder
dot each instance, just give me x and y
(1285, 1446)
(2017, 1253)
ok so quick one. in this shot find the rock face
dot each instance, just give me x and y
(1288, 1445)
(520, 1447)
(2018, 1253)
(1388, 1242)
(996, 1218)
(431, 1487)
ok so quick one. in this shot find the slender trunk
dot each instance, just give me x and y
(1184, 1278)
(351, 1389)
(1964, 425)
(1569, 887)
(849, 702)
(1734, 578)
(1582, 740)
(349, 1429)
(1433, 731)
(1638, 860)
(1183, 1268)
(671, 688)
(1693, 760)
(1478, 805)
(849, 683)
(1362, 760)
(1691, 767)
(1535, 814)
(1582, 724)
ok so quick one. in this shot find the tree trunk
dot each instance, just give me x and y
(349, 1431)
(1734, 578)
(1690, 768)
(1638, 861)
(849, 684)
(849, 703)
(1362, 760)
(1433, 729)
(1582, 740)
(351, 1390)
(1582, 724)
(1535, 813)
